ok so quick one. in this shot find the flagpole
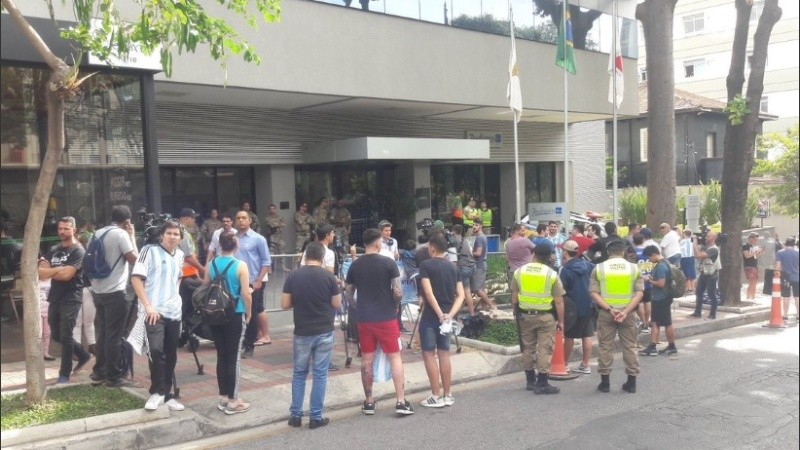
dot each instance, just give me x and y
(614, 109)
(516, 136)
(566, 97)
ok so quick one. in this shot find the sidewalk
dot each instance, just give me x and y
(266, 384)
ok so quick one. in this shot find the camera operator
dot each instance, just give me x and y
(388, 245)
(708, 262)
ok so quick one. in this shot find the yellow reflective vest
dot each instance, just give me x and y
(536, 282)
(616, 277)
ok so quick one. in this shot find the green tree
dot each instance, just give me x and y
(158, 25)
(784, 169)
(740, 136)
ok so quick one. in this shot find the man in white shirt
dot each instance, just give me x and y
(156, 279)
(388, 245)
(213, 246)
(325, 235)
(670, 244)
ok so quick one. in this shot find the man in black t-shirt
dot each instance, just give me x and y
(443, 292)
(377, 280)
(313, 292)
(62, 264)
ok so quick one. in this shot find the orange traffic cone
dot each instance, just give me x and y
(558, 366)
(775, 317)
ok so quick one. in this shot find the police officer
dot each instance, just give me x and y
(304, 223)
(275, 223)
(616, 288)
(340, 216)
(535, 289)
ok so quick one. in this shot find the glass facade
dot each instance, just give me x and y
(103, 162)
(540, 182)
(206, 188)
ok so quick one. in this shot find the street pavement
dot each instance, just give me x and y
(266, 384)
(735, 388)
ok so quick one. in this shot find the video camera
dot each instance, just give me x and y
(151, 223)
(701, 236)
(424, 225)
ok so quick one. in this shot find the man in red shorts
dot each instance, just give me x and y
(377, 280)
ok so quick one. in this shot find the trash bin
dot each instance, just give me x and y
(492, 243)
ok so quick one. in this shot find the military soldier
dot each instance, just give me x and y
(276, 224)
(304, 223)
(255, 224)
(340, 216)
(616, 288)
(210, 225)
(535, 290)
(322, 212)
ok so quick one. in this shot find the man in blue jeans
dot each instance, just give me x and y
(314, 294)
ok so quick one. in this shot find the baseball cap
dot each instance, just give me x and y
(647, 233)
(570, 246)
(384, 223)
(543, 249)
(187, 212)
(438, 224)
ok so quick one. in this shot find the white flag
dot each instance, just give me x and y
(514, 92)
(615, 70)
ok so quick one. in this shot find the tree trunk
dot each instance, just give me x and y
(656, 17)
(58, 85)
(740, 140)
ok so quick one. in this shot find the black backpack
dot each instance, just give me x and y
(94, 261)
(474, 327)
(214, 300)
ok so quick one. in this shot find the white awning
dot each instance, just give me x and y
(391, 148)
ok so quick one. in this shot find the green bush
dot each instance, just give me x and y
(633, 205)
(711, 208)
(501, 333)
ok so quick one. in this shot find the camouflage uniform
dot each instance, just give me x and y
(340, 216)
(321, 215)
(276, 224)
(207, 230)
(255, 224)
(304, 223)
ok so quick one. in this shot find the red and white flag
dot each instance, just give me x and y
(514, 91)
(615, 71)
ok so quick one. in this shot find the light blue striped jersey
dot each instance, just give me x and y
(162, 276)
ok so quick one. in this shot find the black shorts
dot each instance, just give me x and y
(583, 328)
(646, 297)
(661, 312)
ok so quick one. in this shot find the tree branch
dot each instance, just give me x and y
(47, 55)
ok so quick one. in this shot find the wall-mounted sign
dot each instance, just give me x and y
(495, 139)
(135, 59)
(539, 212)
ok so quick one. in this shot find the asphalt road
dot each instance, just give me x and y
(736, 388)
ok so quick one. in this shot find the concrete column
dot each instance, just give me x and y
(275, 184)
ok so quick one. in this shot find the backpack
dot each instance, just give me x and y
(94, 261)
(676, 282)
(214, 300)
(474, 326)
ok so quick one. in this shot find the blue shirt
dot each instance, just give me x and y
(788, 257)
(254, 252)
(231, 278)
(659, 272)
(480, 242)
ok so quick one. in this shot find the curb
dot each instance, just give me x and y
(140, 430)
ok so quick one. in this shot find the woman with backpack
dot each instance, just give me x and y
(228, 337)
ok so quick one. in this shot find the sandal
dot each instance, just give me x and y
(261, 342)
(239, 407)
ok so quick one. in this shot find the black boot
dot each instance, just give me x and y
(530, 378)
(605, 384)
(630, 385)
(543, 387)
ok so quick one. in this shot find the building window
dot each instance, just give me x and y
(643, 74)
(693, 24)
(103, 162)
(643, 144)
(540, 182)
(693, 68)
(764, 105)
(711, 144)
(755, 12)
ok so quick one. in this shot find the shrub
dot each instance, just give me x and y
(633, 205)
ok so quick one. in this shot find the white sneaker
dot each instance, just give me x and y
(153, 402)
(433, 402)
(449, 400)
(175, 405)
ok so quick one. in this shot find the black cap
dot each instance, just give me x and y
(187, 212)
(543, 250)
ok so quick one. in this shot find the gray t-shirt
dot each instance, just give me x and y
(116, 244)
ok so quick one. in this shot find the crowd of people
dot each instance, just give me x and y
(610, 281)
